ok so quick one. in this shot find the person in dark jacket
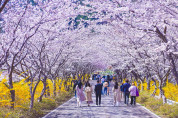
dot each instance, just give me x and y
(87, 82)
(108, 78)
(75, 84)
(126, 87)
(122, 90)
(98, 91)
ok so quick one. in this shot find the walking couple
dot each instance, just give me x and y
(88, 90)
(80, 95)
(129, 90)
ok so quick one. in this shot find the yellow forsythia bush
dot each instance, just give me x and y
(4, 93)
(170, 90)
(22, 91)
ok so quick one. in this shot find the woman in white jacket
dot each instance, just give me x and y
(133, 90)
(116, 91)
(89, 91)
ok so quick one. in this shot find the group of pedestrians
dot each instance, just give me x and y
(119, 92)
(127, 90)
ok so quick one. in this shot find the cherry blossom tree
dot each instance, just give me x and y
(136, 37)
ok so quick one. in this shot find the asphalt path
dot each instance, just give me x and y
(107, 110)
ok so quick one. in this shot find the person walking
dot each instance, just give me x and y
(117, 94)
(98, 89)
(80, 94)
(86, 84)
(88, 91)
(74, 87)
(126, 87)
(108, 78)
(133, 90)
(122, 91)
(111, 78)
(105, 84)
(102, 81)
(108, 87)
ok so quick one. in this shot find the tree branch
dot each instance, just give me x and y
(4, 4)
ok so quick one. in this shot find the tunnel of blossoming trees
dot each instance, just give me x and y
(42, 39)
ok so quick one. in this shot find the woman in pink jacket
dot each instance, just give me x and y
(133, 89)
(80, 94)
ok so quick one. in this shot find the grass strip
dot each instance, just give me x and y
(157, 106)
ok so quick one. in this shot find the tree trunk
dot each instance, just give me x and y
(12, 92)
(164, 99)
(154, 92)
(117, 78)
(71, 83)
(32, 101)
(84, 77)
(78, 77)
(138, 84)
(44, 90)
(88, 77)
(32, 94)
(65, 85)
(148, 84)
(121, 79)
(161, 89)
(161, 94)
(47, 89)
(3, 5)
(173, 67)
(141, 85)
(60, 85)
(54, 87)
(73, 76)
(131, 78)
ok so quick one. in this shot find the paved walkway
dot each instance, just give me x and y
(106, 110)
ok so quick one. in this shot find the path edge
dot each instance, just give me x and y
(57, 107)
(148, 110)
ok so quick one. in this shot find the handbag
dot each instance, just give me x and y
(137, 93)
